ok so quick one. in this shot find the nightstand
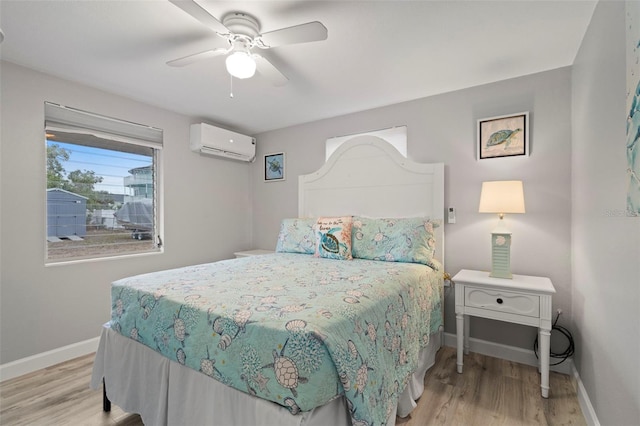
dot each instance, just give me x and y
(255, 252)
(522, 300)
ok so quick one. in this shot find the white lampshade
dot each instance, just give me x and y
(241, 65)
(506, 196)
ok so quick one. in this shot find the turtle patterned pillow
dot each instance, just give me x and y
(409, 240)
(333, 237)
(297, 236)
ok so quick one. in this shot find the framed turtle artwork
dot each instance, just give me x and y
(503, 136)
(274, 167)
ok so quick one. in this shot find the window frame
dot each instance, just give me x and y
(67, 119)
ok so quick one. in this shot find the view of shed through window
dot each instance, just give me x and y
(101, 195)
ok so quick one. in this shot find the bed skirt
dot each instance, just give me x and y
(140, 380)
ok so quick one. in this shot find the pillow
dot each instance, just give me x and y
(297, 236)
(333, 237)
(409, 240)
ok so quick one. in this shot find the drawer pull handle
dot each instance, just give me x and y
(499, 300)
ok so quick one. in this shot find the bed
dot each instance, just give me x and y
(317, 333)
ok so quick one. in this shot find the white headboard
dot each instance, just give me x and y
(367, 176)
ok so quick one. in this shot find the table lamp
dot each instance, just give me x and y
(501, 197)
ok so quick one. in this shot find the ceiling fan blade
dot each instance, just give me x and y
(187, 60)
(201, 14)
(303, 33)
(269, 71)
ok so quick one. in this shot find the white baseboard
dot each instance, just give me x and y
(585, 403)
(528, 357)
(47, 359)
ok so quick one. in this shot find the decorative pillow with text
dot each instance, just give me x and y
(333, 237)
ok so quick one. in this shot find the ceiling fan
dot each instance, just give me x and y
(242, 33)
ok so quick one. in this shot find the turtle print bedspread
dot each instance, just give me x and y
(290, 328)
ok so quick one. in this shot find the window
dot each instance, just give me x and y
(102, 185)
(396, 136)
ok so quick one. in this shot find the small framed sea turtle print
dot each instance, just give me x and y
(274, 167)
(504, 136)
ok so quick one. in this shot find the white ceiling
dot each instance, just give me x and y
(377, 52)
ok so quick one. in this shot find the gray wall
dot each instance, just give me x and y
(605, 244)
(207, 216)
(442, 129)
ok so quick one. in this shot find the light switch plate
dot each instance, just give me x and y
(451, 217)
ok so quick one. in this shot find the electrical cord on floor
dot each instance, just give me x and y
(570, 346)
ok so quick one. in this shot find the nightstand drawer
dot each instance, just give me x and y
(503, 301)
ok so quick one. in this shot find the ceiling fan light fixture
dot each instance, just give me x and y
(241, 65)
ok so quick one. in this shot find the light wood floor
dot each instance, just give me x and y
(490, 392)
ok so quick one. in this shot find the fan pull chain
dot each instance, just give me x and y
(230, 86)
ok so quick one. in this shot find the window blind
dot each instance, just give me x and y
(71, 120)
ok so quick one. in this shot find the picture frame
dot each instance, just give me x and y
(274, 167)
(503, 136)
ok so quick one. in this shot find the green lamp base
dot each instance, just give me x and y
(501, 255)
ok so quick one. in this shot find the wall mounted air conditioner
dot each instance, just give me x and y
(211, 140)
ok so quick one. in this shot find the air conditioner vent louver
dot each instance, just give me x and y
(210, 140)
